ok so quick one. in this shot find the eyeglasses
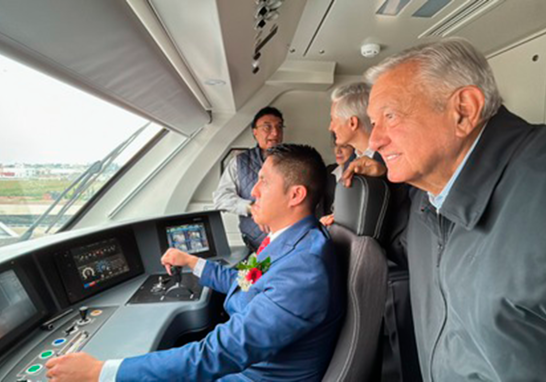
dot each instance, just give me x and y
(268, 128)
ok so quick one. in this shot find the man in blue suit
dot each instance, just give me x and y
(284, 327)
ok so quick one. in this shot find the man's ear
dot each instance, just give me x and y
(254, 132)
(298, 195)
(468, 102)
(354, 122)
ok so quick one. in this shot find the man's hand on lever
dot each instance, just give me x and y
(79, 367)
(175, 257)
(362, 166)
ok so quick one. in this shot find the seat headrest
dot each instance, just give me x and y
(362, 207)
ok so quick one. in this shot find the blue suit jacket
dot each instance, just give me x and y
(283, 329)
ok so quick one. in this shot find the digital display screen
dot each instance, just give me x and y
(99, 262)
(191, 238)
(16, 306)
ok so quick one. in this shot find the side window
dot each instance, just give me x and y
(58, 147)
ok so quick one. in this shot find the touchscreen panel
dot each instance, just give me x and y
(99, 262)
(191, 238)
(16, 306)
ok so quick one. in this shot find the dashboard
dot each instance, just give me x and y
(92, 290)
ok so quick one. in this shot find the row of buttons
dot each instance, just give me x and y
(49, 353)
(45, 355)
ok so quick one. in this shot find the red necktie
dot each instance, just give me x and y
(264, 244)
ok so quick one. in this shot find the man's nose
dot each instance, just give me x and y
(275, 132)
(378, 137)
(254, 192)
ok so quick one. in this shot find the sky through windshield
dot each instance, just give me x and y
(43, 120)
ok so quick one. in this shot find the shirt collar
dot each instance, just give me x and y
(274, 235)
(337, 172)
(438, 200)
(368, 153)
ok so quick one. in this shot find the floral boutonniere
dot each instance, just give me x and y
(250, 271)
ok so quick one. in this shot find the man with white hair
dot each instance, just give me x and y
(475, 241)
(351, 126)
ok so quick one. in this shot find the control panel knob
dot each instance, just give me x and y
(83, 313)
(177, 273)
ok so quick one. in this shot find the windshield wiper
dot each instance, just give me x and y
(80, 185)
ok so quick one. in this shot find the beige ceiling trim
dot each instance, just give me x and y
(460, 17)
(148, 17)
(516, 44)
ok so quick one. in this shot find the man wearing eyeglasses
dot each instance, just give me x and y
(241, 174)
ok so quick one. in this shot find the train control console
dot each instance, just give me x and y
(164, 288)
(68, 335)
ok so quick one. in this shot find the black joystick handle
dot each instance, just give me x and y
(177, 273)
(83, 313)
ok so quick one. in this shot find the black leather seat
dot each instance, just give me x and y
(360, 212)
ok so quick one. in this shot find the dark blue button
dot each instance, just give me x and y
(59, 341)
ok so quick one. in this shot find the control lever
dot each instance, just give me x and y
(83, 315)
(161, 284)
(177, 274)
(71, 329)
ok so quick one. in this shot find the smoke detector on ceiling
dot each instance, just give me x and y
(370, 50)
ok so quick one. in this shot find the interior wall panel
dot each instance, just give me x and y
(521, 76)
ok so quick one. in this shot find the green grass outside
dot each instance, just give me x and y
(35, 189)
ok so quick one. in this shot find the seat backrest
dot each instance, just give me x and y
(359, 216)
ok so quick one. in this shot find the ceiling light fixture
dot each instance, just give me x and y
(274, 4)
(266, 10)
(272, 15)
(215, 82)
(392, 7)
(430, 8)
(260, 24)
(261, 12)
(255, 66)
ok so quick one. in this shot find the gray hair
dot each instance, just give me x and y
(352, 100)
(445, 66)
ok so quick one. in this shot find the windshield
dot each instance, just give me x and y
(58, 147)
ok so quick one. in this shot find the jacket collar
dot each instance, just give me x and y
(259, 153)
(286, 242)
(478, 179)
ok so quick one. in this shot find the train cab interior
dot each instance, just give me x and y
(80, 265)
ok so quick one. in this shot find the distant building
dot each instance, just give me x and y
(17, 172)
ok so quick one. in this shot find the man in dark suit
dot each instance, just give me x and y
(283, 325)
(475, 237)
(344, 155)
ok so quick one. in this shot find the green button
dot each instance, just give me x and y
(34, 369)
(46, 354)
